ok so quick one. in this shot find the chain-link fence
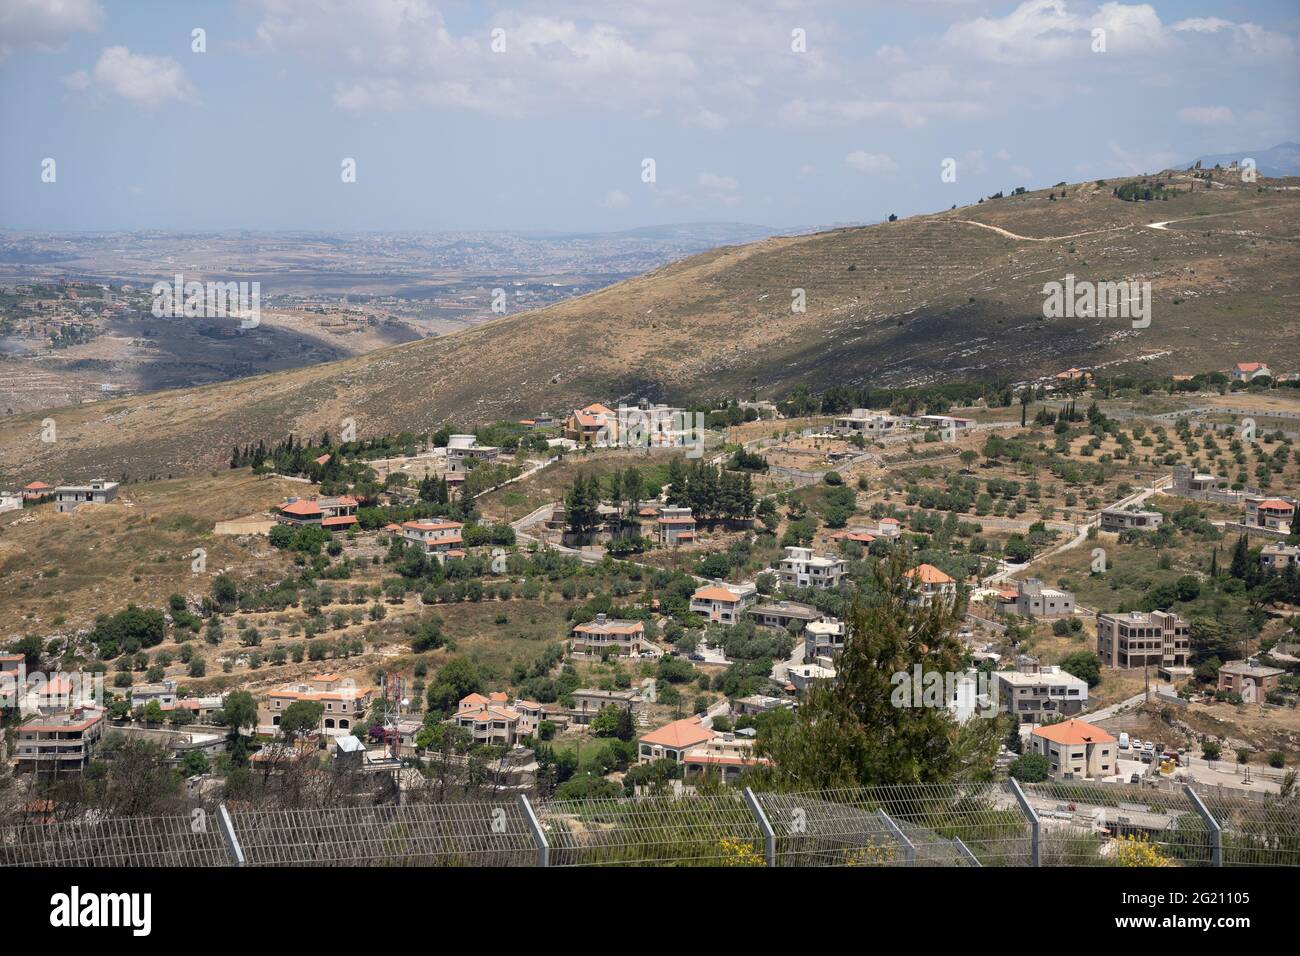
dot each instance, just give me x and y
(983, 824)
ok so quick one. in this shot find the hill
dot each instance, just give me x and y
(956, 295)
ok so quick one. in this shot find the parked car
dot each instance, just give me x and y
(1135, 777)
(696, 657)
(1123, 741)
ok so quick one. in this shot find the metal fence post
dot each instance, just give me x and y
(769, 835)
(965, 851)
(539, 836)
(227, 827)
(909, 850)
(1032, 816)
(1216, 831)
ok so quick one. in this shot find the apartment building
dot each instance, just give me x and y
(723, 603)
(1134, 639)
(67, 498)
(588, 702)
(58, 743)
(1075, 750)
(1124, 519)
(439, 539)
(1032, 693)
(331, 513)
(1035, 600)
(342, 702)
(675, 526)
(822, 640)
(496, 719)
(606, 635)
(801, 568)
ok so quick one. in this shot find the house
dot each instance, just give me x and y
(164, 692)
(756, 704)
(1249, 371)
(542, 420)
(588, 702)
(722, 603)
(441, 539)
(464, 452)
(671, 741)
(607, 635)
(331, 513)
(496, 719)
(1075, 750)
(67, 498)
(1126, 519)
(1137, 639)
(1252, 680)
(945, 423)
(36, 490)
(868, 424)
(1034, 600)
(594, 424)
(1279, 557)
(781, 614)
(888, 528)
(801, 568)
(342, 703)
(59, 743)
(803, 676)
(1073, 376)
(203, 708)
(675, 526)
(725, 756)
(822, 640)
(1189, 482)
(1273, 514)
(856, 536)
(1032, 693)
(929, 584)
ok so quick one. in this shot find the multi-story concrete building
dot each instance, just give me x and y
(1271, 514)
(675, 526)
(1034, 600)
(464, 452)
(1075, 750)
(801, 568)
(588, 702)
(869, 424)
(439, 539)
(58, 743)
(1279, 557)
(607, 635)
(781, 614)
(98, 492)
(1032, 693)
(1137, 639)
(822, 640)
(1250, 679)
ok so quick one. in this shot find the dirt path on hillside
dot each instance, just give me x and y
(1011, 235)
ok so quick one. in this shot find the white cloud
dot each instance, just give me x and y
(148, 81)
(873, 163)
(1047, 30)
(1205, 115)
(616, 199)
(45, 25)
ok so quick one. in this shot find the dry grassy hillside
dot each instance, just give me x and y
(931, 298)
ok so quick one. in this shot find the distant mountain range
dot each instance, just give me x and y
(1280, 160)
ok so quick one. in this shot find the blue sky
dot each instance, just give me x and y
(551, 132)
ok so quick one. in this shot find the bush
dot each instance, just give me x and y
(1030, 768)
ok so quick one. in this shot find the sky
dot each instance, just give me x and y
(541, 116)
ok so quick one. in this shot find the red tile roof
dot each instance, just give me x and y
(680, 733)
(1071, 732)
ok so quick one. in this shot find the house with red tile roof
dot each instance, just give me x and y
(671, 741)
(929, 584)
(607, 635)
(1273, 514)
(596, 423)
(34, 491)
(675, 526)
(332, 514)
(1075, 750)
(496, 719)
(343, 703)
(1249, 371)
(723, 603)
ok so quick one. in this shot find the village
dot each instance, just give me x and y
(621, 601)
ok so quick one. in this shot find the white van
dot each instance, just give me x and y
(1123, 741)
